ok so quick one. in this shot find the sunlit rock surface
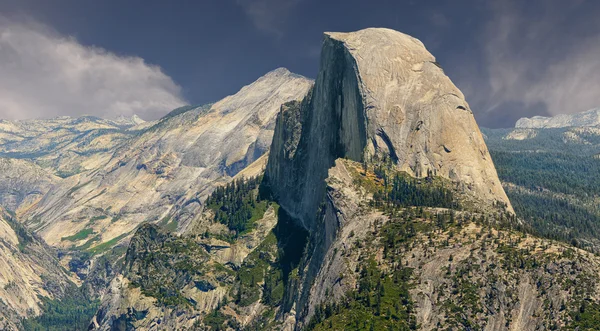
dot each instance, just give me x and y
(379, 94)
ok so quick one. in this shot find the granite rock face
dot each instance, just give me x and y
(379, 94)
(29, 273)
(586, 118)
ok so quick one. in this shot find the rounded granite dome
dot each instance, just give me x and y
(379, 92)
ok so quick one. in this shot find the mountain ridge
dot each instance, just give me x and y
(588, 118)
(84, 185)
(172, 161)
(29, 273)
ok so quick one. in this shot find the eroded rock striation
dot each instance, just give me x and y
(379, 94)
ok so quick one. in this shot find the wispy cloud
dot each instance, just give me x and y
(539, 60)
(438, 19)
(268, 15)
(44, 74)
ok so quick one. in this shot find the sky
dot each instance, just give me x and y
(511, 58)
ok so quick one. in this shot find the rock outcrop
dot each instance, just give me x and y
(174, 282)
(163, 271)
(379, 95)
(459, 274)
(587, 118)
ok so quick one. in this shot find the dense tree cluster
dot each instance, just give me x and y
(24, 237)
(556, 218)
(551, 180)
(404, 191)
(238, 204)
(381, 302)
(560, 191)
(557, 172)
(73, 312)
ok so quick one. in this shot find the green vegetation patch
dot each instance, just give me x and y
(215, 320)
(238, 205)
(557, 172)
(106, 245)
(116, 218)
(402, 190)
(397, 189)
(98, 218)
(25, 238)
(382, 302)
(73, 312)
(79, 235)
(270, 266)
(162, 264)
(586, 317)
(169, 224)
(69, 172)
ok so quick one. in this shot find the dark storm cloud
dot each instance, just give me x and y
(511, 58)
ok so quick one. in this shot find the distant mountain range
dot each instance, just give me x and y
(586, 118)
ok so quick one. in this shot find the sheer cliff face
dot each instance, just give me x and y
(379, 93)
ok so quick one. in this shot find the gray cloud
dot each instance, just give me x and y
(268, 15)
(538, 60)
(44, 74)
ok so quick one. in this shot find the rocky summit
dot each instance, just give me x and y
(152, 173)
